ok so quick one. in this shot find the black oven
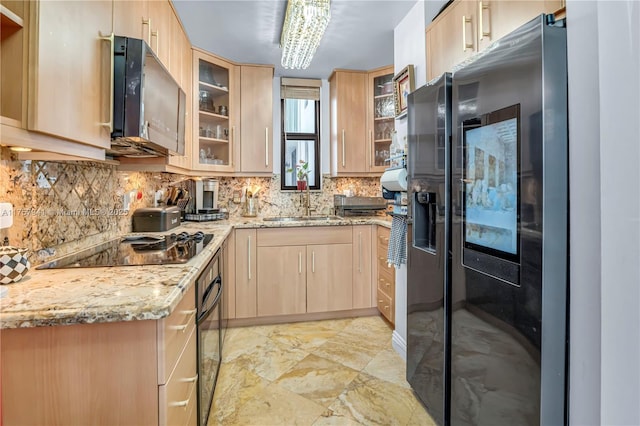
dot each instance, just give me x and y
(209, 324)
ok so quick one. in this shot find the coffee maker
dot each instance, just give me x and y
(205, 199)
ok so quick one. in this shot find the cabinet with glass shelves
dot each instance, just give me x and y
(381, 113)
(216, 104)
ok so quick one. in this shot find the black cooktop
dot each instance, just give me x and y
(137, 250)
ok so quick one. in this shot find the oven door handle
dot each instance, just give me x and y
(206, 309)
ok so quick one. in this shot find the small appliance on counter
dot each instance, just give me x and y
(156, 219)
(357, 206)
(203, 205)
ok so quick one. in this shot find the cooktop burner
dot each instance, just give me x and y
(137, 250)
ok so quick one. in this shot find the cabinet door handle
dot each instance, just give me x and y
(110, 39)
(183, 327)
(231, 143)
(359, 251)
(370, 148)
(249, 257)
(481, 8)
(465, 20)
(156, 34)
(299, 262)
(147, 22)
(266, 147)
(313, 262)
(343, 150)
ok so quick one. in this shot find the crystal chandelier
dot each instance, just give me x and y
(304, 25)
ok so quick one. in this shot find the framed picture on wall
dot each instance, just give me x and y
(403, 84)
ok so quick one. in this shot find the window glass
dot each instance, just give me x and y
(300, 116)
(300, 143)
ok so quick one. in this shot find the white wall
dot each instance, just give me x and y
(324, 126)
(409, 49)
(584, 240)
(604, 153)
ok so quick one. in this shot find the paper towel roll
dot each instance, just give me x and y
(394, 180)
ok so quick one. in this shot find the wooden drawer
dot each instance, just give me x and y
(178, 397)
(383, 236)
(173, 332)
(384, 267)
(387, 286)
(385, 306)
(304, 236)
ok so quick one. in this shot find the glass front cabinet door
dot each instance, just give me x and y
(216, 105)
(381, 117)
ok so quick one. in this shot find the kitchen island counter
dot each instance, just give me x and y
(110, 294)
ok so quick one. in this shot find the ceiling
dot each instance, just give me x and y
(359, 35)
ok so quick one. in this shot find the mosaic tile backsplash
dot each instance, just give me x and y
(63, 207)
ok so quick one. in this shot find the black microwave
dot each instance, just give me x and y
(149, 107)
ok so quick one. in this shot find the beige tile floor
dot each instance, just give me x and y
(335, 372)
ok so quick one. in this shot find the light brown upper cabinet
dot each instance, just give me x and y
(256, 121)
(451, 38)
(131, 19)
(161, 15)
(467, 27)
(69, 80)
(380, 117)
(216, 106)
(348, 111)
(498, 18)
(13, 64)
(181, 64)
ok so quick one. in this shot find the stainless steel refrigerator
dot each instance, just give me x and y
(487, 262)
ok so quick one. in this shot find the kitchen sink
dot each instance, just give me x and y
(282, 219)
(321, 218)
(299, 218)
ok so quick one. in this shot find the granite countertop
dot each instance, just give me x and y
(110, 294)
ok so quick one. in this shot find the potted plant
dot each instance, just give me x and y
(302, 174)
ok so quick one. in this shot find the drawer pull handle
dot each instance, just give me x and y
(183, 327)
(189, 379)
(179, 403)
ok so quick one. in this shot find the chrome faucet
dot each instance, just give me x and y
(307, 202)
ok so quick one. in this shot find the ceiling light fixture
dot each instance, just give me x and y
(19, 149)
(304, 25)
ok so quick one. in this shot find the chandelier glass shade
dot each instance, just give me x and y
(304, 25)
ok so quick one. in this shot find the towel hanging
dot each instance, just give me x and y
(397, 251)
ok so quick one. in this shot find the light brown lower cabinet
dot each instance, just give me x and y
(301, 270)
(386, 277)
(363, 266)
(281, 280)
(120, 373)
(245, 256)
(329, 277)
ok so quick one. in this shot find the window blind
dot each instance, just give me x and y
(300, 88)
